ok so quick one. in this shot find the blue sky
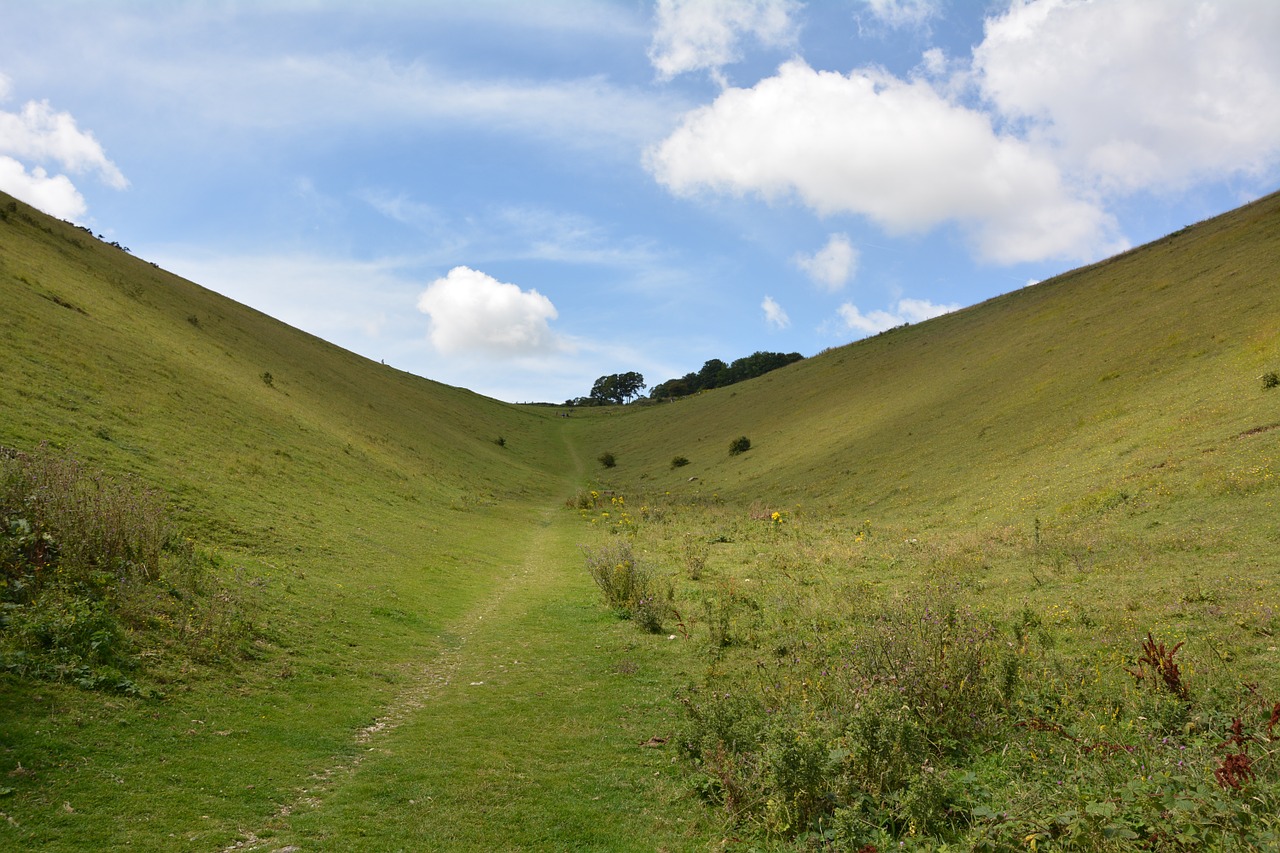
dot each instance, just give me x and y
(518, 198)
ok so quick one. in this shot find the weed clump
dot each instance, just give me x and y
(607, 459)
(741, 444)
(1270, 379)
(679, 461)
(848, 728)
(90, 569)
(629, 588)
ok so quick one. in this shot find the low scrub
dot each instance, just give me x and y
(92, 571)
(629, 588)
(837, 713)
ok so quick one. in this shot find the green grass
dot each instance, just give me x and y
(1086, 460)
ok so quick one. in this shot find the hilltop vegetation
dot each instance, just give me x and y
(999, 580)
(716, 374)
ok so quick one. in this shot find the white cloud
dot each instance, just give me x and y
(833, 265)
(55, 195)
(902, 13)
(697, 35)
(773, 313)
(1140, 93)
(471, 311)
(39, 134)
(894, 151)
(36, 137)
(905, 311)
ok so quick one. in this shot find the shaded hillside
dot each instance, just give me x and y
(1140, 370)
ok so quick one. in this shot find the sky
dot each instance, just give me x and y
(518, 198)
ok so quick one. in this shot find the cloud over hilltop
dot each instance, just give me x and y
(471, 311)
(37, 138)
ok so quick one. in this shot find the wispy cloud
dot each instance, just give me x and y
(774, 316)
(904, 311)
(706, 35)
(832, 266)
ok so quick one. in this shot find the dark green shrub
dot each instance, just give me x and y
(739, 445)
(1270, 380)
(268, 379)
(607, 459)
(679, 462)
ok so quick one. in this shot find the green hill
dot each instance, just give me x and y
(397, 646)
(1146, 367)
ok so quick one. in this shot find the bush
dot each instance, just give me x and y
(1270, 380)
(629, 588)
(607, 459)
(679, 462)
(739, 445)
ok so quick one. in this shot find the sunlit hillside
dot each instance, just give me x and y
(1137, 374)
(370, 626)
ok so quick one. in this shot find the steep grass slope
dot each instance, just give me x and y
(363, 521)
(138, 369)
(1144, 370)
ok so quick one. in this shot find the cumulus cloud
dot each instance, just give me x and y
(833, 265)
(36, 137)
(895, 151)
(55, 195)
(698, 35)
(773, 314)
(37, 133)
(1140, 93)
(471, 311)
(905, 311)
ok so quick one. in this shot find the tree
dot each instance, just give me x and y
(617, 388)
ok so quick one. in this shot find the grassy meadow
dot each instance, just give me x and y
(1002, 580)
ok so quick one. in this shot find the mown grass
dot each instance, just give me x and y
(1061, 473)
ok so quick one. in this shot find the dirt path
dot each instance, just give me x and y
(516, 733)
(433, 676)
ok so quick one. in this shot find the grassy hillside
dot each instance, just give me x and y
(1002, 578)
(1144, 368)
(357, 519)
(416, 657)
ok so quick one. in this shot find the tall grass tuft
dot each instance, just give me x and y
(629, 588)
(91, 568)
